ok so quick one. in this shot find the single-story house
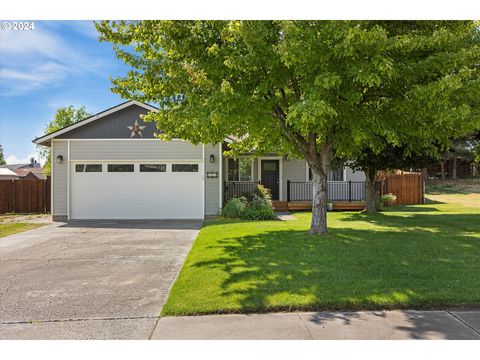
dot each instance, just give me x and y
(111, 166)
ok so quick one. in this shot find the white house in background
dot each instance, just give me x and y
(7, 174)
(111, 166)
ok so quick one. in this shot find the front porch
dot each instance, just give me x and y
(345, 195)
(307, 205)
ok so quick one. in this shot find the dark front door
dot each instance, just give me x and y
(271, 176)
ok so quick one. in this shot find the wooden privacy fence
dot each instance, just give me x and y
(25, 196)
(407, 187)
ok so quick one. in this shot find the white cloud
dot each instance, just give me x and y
(13, 159)
(18, 81)
(38, 42)
(39, 58)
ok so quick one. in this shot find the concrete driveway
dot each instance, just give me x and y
(90, 279)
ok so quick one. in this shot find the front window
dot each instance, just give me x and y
(333, 175)
(239, 170)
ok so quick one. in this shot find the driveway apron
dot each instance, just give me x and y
(90, 279)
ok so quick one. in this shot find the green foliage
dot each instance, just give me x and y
(2, 156)
(379, 204)
(256, 205)
(13, 228)
(313, 90)
(388, 198)
(258, 212)
(64, 116)
(235, 208)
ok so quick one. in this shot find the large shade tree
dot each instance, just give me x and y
(313, 90)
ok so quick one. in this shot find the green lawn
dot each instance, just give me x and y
(425, 256)
(13, 228)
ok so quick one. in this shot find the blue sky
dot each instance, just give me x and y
(60, 63)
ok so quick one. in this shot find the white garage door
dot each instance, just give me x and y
(140, 190)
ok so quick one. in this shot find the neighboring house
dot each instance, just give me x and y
(26, 171)
(111, 166)
(7, 174)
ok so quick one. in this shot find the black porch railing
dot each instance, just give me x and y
(301, 190)
(336, 190)
(232, 189)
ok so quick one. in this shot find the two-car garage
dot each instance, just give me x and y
(136, 190)
(114, 165)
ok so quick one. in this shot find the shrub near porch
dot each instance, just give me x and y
(425, 256)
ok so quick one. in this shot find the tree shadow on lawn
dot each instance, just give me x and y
(410, 208)
(418, 264)
(432, 222)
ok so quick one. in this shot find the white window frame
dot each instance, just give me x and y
(240, 158)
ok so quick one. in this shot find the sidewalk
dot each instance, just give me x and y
(381, 325)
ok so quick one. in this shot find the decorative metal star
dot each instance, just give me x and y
(136, 129)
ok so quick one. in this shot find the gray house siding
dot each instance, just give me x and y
(354, 176)
(293, 170)
(60, 180)
(212, 185)
(135, 149)
(113, 126)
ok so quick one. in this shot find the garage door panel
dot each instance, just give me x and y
(137, 195)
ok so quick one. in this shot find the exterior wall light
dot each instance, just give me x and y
(212, 159)
(59, 159)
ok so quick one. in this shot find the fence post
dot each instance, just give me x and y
(288, 190)
(350, 190)
(13, 196)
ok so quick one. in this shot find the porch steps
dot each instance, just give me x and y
(280, 206)
(348, 205)
(299, 205)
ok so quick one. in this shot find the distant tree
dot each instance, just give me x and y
(462, 148)
(2, 157)
(312, 90)
(392, 157)
(64, 116)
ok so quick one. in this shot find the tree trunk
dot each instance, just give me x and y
(425, 173)
(454, 170)
(370, 174)
(319, 204)
(442, 165)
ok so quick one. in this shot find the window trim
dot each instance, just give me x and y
(246, 158)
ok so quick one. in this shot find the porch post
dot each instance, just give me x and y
(350, 190)
(288, 190)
